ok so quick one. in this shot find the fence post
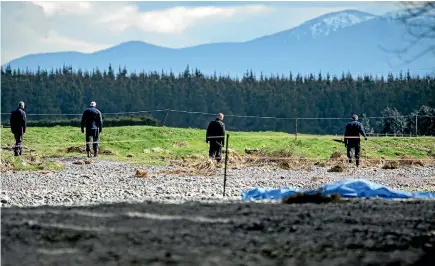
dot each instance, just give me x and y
(226, 162)
(167, 113)
(296, 132)
(416, 125)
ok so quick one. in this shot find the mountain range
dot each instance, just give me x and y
(340, 42)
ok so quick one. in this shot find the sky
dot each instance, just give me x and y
(41, 27)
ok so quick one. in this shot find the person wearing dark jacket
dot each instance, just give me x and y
(18, 123)
(93, 121)
(352, 138)
(216, 136)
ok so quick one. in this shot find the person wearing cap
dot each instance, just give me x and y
(352, 138)
(18, 123)
(93, 121)
(216, 136)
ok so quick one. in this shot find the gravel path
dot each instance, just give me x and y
(106, 181)
(366, 232)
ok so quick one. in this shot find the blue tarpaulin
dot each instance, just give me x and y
(353, 188)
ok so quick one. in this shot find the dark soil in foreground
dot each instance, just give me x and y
(369, 232)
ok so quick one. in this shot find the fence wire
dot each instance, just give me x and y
(227, 115)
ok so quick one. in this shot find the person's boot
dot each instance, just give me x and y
(16, 153)
(357, 162)
(95, 152)
(89, 154)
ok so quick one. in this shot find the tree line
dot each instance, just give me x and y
(400, 98)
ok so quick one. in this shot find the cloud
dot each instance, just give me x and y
(178, 19)
(119, 17)
(64, 8)
(25, 29)
(174, 20)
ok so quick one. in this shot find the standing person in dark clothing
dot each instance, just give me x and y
(216, 137)
(93, 121)
(352, 138)
(18, 123)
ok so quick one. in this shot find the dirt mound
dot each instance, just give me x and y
(204, 168)
(82, 149)
(82, 162)
(75, 149)
(378, 163)
(106, 152)
(391, 165)
(141, 173)
(320, 164)
(6, 166)
(338, 156)
(406, 161)
(403, 162)
(336, 169)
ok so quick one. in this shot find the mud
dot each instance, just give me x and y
(366, 232)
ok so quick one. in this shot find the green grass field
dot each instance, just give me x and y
(137, 144)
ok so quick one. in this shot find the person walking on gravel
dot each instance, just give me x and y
(352, 138)
(216, 136)
(18, 123)
(93, 121)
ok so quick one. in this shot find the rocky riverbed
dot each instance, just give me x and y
(106, 181)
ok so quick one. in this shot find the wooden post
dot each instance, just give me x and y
(226, 162)
(167, 113)
(296, 132)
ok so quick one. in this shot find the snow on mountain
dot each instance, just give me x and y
(324, 25)
(321, 26)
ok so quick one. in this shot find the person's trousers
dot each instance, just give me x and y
(354, 145)
(18, 143)
(92, 136)
(215, 150)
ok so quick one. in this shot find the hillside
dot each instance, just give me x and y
(347, 41)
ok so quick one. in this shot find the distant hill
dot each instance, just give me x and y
(346, 41)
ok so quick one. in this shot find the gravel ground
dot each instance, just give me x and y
(366, 232)
(106, 181)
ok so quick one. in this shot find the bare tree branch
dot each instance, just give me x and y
(419, 20)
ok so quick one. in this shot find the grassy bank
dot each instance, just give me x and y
(155, 145)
